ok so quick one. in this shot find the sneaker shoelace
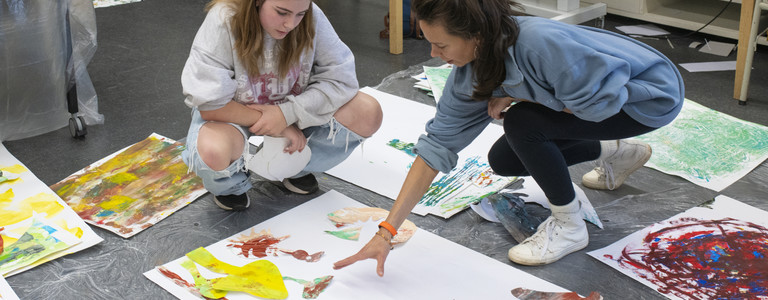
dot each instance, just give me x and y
(549, 226)
(605, 169)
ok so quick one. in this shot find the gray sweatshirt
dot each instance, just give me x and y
(310, 93)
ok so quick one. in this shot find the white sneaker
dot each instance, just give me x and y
(563, 233)
(611, 172)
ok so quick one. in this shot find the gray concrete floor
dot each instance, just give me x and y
(142, 48)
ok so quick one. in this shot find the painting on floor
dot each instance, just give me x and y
(382, 163)
(133, 188)
(291, 255)
(436, 77)
(718, 250)
(707, 147)
(32, 240)
(22, 197)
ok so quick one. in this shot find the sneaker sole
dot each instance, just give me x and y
(295, 189)
(224, 207)
(550, 260)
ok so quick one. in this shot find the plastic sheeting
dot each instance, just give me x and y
(113, 269)
(45, 47)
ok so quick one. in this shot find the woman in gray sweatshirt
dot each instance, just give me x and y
(272, 68)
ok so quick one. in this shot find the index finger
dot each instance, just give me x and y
(347, 261)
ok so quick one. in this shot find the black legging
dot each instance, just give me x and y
(542, 143)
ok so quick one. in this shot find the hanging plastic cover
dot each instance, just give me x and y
(40, 58)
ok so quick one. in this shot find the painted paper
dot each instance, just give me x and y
(107, 3)
(133, 188)
(382, 164)
(38, 240)
(437, 76)
(353, 218)
(259, 278)
(312, 289)
(706, 147)
(526, 294)
(467, 183)
(6, 292)
(427, 258)
(714, 251)
(27, 195)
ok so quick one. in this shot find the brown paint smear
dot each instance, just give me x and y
(304, 255)
(257, 244)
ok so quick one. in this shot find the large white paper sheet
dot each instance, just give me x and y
(706, 147)
(710, 66)
(382, 169)
(714, 251)
(22, 197)
(425, 267)
(6, 292)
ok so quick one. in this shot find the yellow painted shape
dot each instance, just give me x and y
(16, 169)
(7, 240)
(41, 203)
(117, 202)
(6, 198)
(121, 178)
(203, 285)
(260, 278)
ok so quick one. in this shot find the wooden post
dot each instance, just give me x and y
(745, 49)
(396, 26)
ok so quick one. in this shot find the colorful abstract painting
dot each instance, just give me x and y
(424, 256)
(382, 164)
(453, 192)
(706, 147)
(718, 250)
(37, 241)
(134, 188)
(25, 196)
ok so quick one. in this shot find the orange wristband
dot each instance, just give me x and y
(388, 227)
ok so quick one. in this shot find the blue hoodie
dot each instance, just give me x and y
(592, 72)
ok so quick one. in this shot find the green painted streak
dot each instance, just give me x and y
(35, 244)
(352, 234)
(706, 145)
(203, 285)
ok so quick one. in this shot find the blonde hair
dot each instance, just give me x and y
(249, 36)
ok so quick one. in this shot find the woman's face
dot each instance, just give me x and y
(452, 49)
(279, 17)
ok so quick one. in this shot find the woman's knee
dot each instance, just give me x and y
(362, 115)
(219, 144)
(503, 160)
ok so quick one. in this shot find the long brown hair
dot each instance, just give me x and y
(249, 36)
(487, 20)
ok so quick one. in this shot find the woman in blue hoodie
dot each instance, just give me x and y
(567, 94)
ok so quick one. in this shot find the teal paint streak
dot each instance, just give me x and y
(402, 146)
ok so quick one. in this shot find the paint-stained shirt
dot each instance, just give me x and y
(310, 93)
(592, 72)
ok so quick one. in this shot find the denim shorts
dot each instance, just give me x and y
(331, 143)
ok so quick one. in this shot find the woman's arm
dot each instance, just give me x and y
(416, 184)
(232, 112)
